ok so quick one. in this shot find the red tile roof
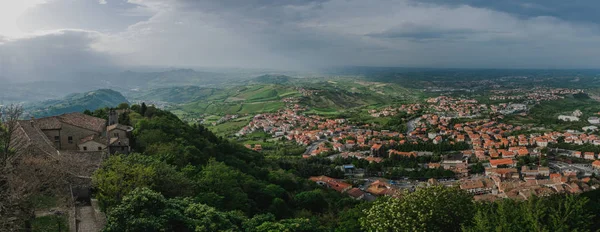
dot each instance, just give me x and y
(355, 193)
(496, 162)
(332, 183)
(376, 146)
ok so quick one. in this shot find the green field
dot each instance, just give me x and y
(230, 127)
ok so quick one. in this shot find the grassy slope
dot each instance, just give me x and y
(241, 100)
(331, 95)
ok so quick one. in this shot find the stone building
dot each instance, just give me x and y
(81, 132)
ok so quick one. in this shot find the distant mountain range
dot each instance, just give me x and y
(77, 102)
(127, 82)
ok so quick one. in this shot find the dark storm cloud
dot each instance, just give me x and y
(377, 32)
(421, 32)
(317, 33)
(573, 10)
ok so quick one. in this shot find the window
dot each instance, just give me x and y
(57, 139)
(99, 148)
(85, 148)
(122, 148)
(116, 135)
(70, 139)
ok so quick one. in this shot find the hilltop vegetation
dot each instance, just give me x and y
(77, 103)
(184, 178)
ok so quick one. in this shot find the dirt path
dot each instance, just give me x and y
(87, 219)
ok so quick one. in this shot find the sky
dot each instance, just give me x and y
(48, 38)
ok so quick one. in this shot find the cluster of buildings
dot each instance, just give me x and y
(391, 111)
(455, 107)
(73, 132)
(574, 117)
(498, 145)
(536, 94)
(306, 92)
(506, 108)
(376, 188)
(225, 118)
(509, 183)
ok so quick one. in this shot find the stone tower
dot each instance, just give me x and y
(113, 117)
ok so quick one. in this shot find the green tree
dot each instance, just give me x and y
(145, 210)
(143, 109)
(288, 225)
(436, 208)
(251, 224)
(124, 119)
(349, 218)
(119, 175)
(230, 184)
(123, 106)
(205, 218)
(311, 200)
(554, 213)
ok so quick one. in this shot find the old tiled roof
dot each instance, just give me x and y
(355, 192)
(49, 123)
(496, 162)
(118, 126)
(332, 183)
(471, 184)
(28, 139)
(83, 121)
(94, 138)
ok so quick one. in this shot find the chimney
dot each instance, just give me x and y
(32, 121)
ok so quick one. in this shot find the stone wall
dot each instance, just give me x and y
(92, 146)
(118, 133)
(51, 134)
(76, 133)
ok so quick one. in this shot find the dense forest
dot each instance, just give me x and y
(184, 178)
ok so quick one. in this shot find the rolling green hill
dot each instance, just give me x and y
(178, 94)
(272, 79)
(321, 97)
(267, 93)
(240, 100)
(77, 102)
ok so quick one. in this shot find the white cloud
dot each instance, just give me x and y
(102, 2)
